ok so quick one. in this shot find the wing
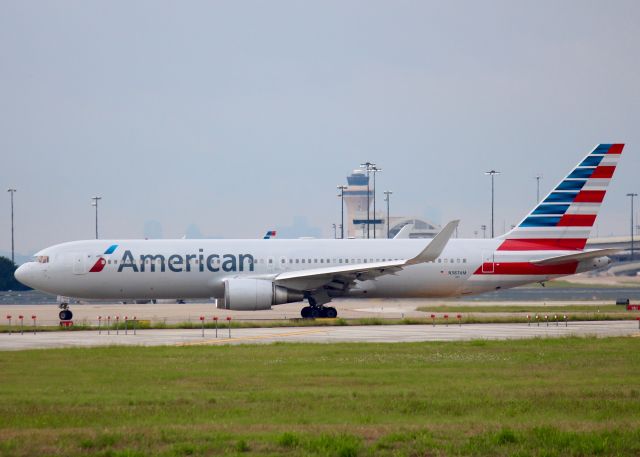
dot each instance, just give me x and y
(343, 277)
(576, 257)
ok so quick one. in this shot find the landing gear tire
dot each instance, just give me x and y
(314, 313)
(65, 315)
(306, 312)
(331, 313)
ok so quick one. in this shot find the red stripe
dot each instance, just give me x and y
(577, 220)
(98, 266)
(527, 268)
(590, 196)
(616, 148)
(603, 171)
(543, 244)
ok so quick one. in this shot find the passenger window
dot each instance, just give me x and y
(339, 260)
(297, 260)
(346, 260)
(270, 260)
(464, 260)
(302, 260)
(321, 260)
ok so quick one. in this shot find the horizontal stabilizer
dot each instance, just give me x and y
(576, 257)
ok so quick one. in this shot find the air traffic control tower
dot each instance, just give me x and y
(355, 200)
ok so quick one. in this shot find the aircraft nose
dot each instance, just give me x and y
(23, 275)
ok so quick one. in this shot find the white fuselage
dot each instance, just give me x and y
(166, 269)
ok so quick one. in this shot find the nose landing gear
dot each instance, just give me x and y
(65, 314)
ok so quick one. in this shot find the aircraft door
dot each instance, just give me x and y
(79, 264)
(488, 262)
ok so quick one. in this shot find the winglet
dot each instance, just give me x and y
(404, 232)
(436, 246)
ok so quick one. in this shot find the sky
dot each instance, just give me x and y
(229, 118)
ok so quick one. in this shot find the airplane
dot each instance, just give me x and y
(548, 243)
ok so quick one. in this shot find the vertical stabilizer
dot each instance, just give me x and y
(563, 220)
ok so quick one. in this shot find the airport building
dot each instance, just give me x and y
(358, 195)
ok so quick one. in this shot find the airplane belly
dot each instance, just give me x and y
(157, 285)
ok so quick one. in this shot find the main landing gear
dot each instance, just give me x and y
(65, 314)
(316, 309)
(314, 312)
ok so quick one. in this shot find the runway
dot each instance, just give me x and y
(372, 334)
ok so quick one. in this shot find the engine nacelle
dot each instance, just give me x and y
(255, 294)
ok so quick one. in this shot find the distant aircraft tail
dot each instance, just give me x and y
(563, 220)
(270, 234)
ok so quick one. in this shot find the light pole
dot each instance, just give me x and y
(387, 194)
(367, 166)
(538, 178)
(342, 189)
(492, 173)
(13, 259)
(632, 194)
(95, 203)
(484, 230)
(334, 231)
(374, 169)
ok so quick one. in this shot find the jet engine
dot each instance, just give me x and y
(255, 294)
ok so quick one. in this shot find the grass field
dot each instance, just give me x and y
(534, 397)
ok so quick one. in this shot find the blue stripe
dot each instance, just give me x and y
(571, 185)
(561, 197)
(591, 161)
(581, 173)
(551, 209)
(111, 249)
(602, 149)
(551, 221)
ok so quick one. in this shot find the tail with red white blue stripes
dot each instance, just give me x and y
(563, 220)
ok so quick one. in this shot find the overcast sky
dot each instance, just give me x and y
(231, 118)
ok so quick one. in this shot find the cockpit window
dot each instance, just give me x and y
(42, 259)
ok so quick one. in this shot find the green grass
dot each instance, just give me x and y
(540, 397)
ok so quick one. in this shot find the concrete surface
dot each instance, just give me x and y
(374, 333)
(47, 314)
